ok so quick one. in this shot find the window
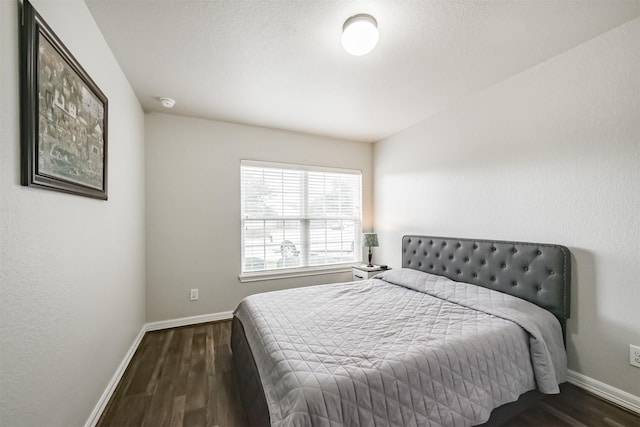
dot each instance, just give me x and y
(299, 217)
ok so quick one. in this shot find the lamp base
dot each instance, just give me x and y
(370, 258)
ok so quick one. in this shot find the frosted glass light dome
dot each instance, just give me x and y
(360, 34)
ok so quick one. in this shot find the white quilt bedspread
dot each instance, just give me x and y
(404, 349)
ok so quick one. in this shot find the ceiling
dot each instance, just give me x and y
(279, 63)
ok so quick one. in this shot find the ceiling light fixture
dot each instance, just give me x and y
(167, 102)
(360, 34)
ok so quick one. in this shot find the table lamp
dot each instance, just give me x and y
(370, 240)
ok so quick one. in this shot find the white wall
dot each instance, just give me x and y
(193, 207)
(549, 155)
(71, 268)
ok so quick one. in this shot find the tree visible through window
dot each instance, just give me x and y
(299, 216)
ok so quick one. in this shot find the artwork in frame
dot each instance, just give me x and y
(63, 115)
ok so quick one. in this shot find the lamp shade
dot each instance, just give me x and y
(370, 239)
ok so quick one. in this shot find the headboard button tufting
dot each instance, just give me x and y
(536, 272)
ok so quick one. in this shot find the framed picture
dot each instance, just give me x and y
(63, 115)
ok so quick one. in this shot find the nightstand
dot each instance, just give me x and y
(362, 272)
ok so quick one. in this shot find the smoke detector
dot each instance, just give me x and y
(167, 102)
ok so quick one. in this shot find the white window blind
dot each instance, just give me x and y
(299, 216)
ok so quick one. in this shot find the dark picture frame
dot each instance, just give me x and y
(63, 115)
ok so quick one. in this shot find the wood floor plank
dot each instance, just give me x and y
(195, 418)
(196, 396)
(177, 412)
(116, 403)
(173, 359)
(211, 411)
(611, 423)
(574, 407)
(144, 370)
(132, 411)
(537, 417)
(157, 369)
(587, 408)
(221, 404)
(210, 351)
(183, 377)
(185, 362)
(568, 419)
(160, 408)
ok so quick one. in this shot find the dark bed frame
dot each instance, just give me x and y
(537, 272)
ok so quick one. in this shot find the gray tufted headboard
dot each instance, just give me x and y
(537, 272)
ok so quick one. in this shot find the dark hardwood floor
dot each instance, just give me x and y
(183, 377)
(178, 377)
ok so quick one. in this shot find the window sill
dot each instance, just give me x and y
(297, 272)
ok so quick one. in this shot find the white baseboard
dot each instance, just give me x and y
(113, 383)
(605, 391)
(153, 326)
(185, 321)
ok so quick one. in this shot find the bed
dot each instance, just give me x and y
(466, 332)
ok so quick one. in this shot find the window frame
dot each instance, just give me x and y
(281, 273)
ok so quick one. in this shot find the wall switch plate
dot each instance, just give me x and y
(634, 355)
(194, 295)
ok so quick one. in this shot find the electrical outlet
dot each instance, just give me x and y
(634, 355)
(194, 295)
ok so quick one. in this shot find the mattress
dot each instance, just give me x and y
(403, 348)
